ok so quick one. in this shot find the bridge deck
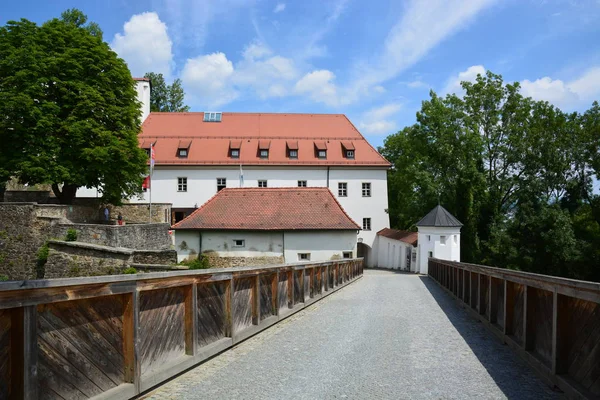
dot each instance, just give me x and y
(396, 336)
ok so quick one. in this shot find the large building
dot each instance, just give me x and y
(199, 153)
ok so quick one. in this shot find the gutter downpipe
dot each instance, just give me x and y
(283, 249)
(328, 177)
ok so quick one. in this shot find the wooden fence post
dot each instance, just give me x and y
(229, 308)
(529, 327)
(290, 284)
(24, 353)
(255, 299)
(275, 294)
(560, 333)
(131, 326)
(493, 300)
(509, 307)
(191, 319)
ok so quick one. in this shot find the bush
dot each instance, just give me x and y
(130, 271)
(200, 262)
(42, 258)
(3, 278)
(71, 235)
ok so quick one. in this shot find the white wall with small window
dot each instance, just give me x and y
(438, 242)
(319, 245)
(395, 254)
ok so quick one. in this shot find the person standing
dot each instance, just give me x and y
(106, 214)
(120, 219)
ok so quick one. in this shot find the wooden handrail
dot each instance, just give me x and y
(117, 336)
(552, 322)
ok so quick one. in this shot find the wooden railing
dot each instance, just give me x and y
(116, 336)
(553, 323)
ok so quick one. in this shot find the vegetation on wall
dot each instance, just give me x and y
(200, 262)
(517, 173)
(71, 235)
(70, 115)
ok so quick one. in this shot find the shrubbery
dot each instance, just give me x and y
(71, 235)
(201, 262)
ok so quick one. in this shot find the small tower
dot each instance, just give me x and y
(439, 237)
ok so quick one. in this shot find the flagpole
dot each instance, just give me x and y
(150, 181)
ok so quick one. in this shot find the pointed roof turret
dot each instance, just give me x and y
(439, 217)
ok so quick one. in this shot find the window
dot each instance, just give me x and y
(366, 189)
(347, 254)
(322, 154)
(221, 184)
(182, 184)
(342, 189)
(430, 254)
(264, 153)
(183, 153)
(212, 117)
(301, 183)
(239, 243)
(235, 153)
(147, 152)
(303, 256)
(455, 239)
(429, 238)
(349, 153)
(293, 153)
(443, 240)
(262, 183)
(366, 224)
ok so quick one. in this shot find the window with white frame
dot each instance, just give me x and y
(221, 184)
(443, 240)
(366, 189)
(301, 183)
(293, 153)
(264, 153)
(262, 183)
(366, 224)
(183, 153)
(349, 153)
(212, 116)
(182, 184)
(303, 256)
(239, 243)
(322, 154)
(235, 153)
(342, 189)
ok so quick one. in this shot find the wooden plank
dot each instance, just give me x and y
(283, 291)
(509, 308)
(561, 333)
(290, 289)
(543, 329)
(213, 306)
(5, 350)
(275, 294)
(255, 299)
(131, 357)
(24, 353)
(191, 319)
(242, 305)
(266, 295)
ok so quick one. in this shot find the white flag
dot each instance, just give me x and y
(241, 176)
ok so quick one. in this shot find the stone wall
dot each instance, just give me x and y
(26, 196)
(227, 262)
(140, 236)
(70, 259)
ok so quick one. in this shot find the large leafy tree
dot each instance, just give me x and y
(166, 98)
(70, 116)
(518, 173)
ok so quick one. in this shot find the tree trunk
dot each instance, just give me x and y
(67, 194)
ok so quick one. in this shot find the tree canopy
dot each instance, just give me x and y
(69, 107)
(166, 98)
(517, 173)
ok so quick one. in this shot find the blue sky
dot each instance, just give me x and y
(373, 61)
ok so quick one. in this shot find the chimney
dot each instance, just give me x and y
(143, 96)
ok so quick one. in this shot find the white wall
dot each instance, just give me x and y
(322, 245)
(429, 241)
(202, 185)
(143, 96)
(391, 254)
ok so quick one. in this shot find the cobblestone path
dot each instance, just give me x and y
(387, 336)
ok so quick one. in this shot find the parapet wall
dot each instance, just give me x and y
(138, 236)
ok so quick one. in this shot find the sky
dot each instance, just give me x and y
(374, 61)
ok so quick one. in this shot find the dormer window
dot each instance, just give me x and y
(183, 148)
(348, 150)
(321, 150)
(212, 116)
(146, 146)
(263, 148)
(293, 153)
(234, 148)
(292, 149)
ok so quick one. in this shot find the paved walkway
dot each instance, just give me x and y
(386, 336)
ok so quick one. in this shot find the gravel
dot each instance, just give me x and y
(387, 336)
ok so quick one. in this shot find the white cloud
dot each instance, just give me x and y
(207, 79)
(279, 8)
(423, 26)
(583, 89)
(469, 75)
(319, 86)
(145, 45)
(417, 84)
(377, 120)
(379, 89)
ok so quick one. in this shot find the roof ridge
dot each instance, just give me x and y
(246, 113)
(341, 207)
(197, 209)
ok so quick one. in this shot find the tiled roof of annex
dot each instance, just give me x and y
(212, 142)
(270, 209)
(403, 236)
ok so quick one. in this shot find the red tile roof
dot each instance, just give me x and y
(270, 209)
(142, 79)
(211, 140)
(403, 236)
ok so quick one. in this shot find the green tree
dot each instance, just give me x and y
(166, 98)
(70, 114)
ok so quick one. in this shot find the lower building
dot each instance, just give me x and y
(256, 226)
(397, 250)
